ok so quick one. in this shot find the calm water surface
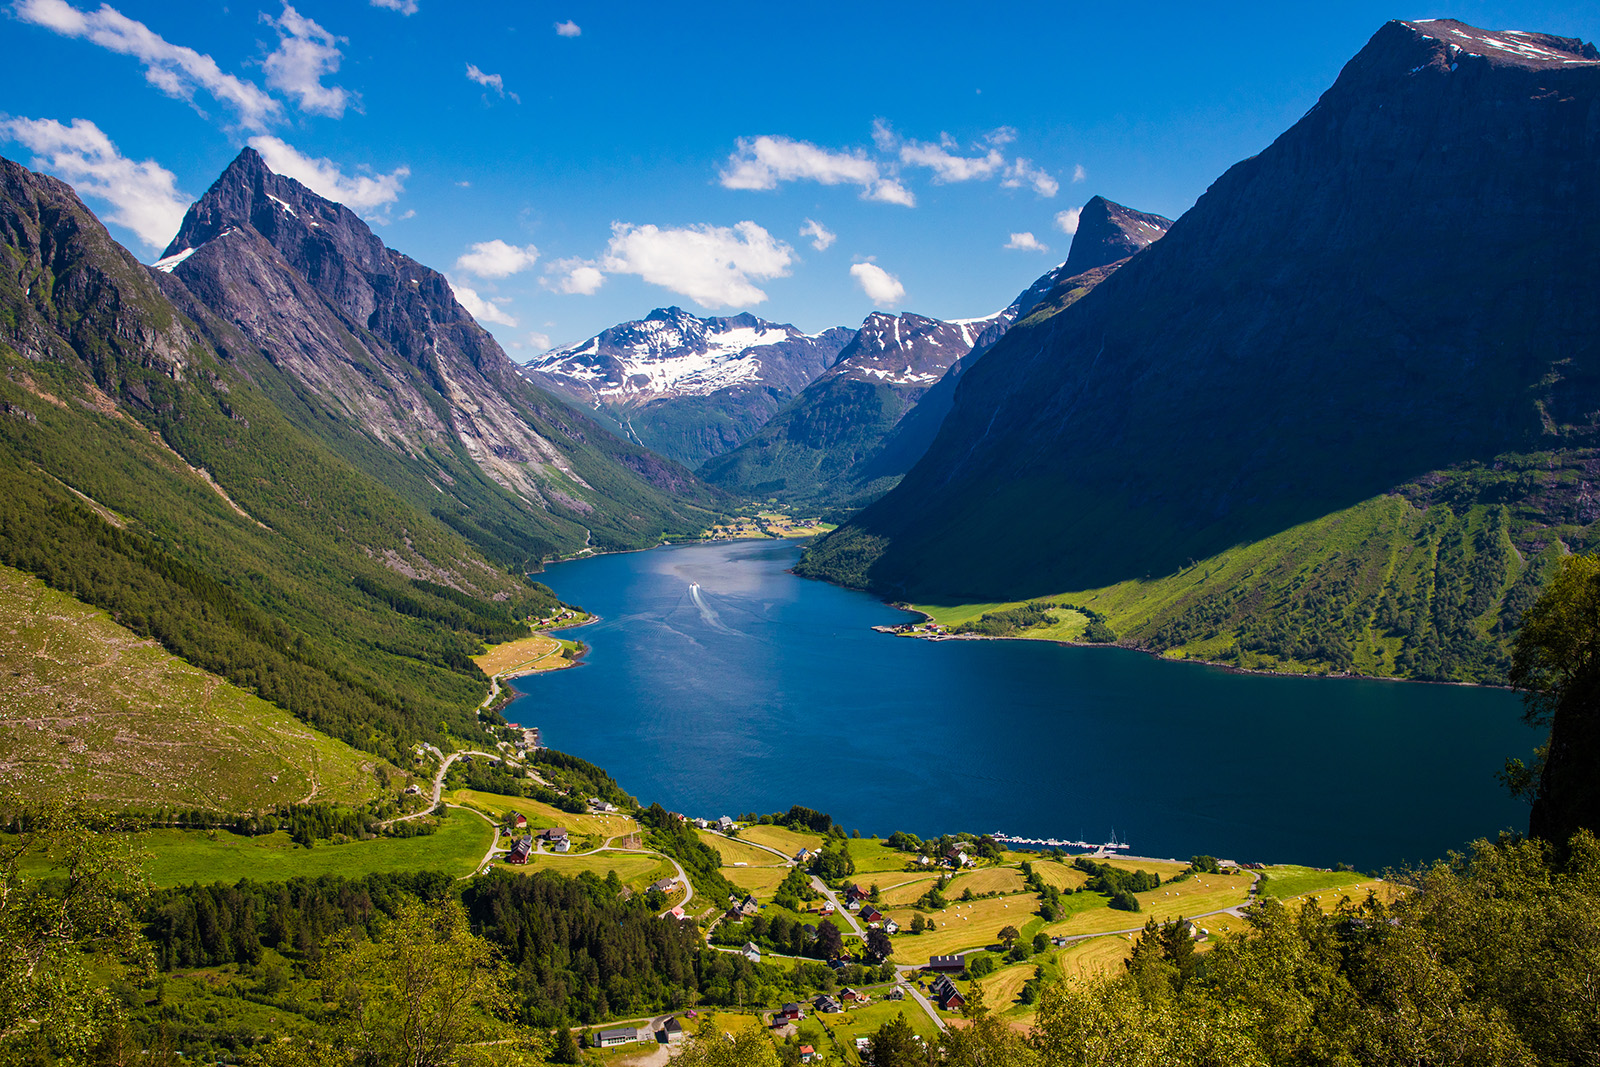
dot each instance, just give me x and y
(758, 690)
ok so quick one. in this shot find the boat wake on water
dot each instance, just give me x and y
(708, 614)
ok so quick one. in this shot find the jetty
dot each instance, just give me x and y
(1102, 848)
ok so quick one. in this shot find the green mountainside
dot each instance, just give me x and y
(158, 469)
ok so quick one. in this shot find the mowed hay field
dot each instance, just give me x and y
(762, 882)
(734, 851)
(1059, 875)
(635, 870)
(906, 893)
(784, 840)
(961, 926)
(179, 857)
(1095, 957)
(1187, 899)
(988, 880)
(521, 656)
(542, 816)
(97, 712)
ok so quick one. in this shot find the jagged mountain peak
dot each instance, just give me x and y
(1520, 48)
(1108, 231)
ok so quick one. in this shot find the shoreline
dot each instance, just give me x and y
(1162, 657)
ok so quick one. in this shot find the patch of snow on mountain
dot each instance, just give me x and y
(281, 204)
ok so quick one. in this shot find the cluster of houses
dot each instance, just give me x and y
(555, 839)
(672, 1032)
(856, 900)
(721, 825)
(529, 741)
(601, 807)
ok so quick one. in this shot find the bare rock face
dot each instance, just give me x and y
(380, 340)
(689, 388)
(1402, 283)
(1108, 232)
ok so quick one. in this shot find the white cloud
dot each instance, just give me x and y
(541, 341)
(174, 69)
(490, 81)
(143, 196)
(361, 193)
(1001, 137)
(1022, 173)
(889, 191)
(821, 236)
(463, 184)
(405, 7)
(881, 287)
(579, 277)
(711, 265)
(496, 259)
(1078, 173)
(479, 308)
(568, 29)
(946, 165)
(1067, 221)
(305, 54)
(883, 135)
(1026, 242)
(763, 162)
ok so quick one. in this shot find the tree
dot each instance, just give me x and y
(748, 1048)
(830, 943)
(896, 1045)
(1041, 941)
(52, 1008)
(878, 943)
(1008, 934)
(918, 923)
(566, 1050)
(1556, 664)
(423, 986)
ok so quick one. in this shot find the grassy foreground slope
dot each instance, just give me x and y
(1427, 583)
(94, 710)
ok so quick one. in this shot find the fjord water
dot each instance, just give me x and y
(718, 683)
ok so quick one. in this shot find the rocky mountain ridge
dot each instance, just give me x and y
(688, 387)
(381, 353)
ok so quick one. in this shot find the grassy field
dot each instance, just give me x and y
(1286, 880)
(1195, 896)
(906, 893)
(872, 857)
(541, 816)
(763, 882)
(734, 851)
(634, 870)
(1000, 989)
(522, 656)
(94, 711)
(784, 840)
(862, 1021)
(178, 857)
(987, 880)
(1094, 957)
(1060, 875)
(960, 926)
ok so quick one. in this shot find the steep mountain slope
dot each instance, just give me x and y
(374, 355)
(1108, 234)
(1400, 285)
(685, 387)
(146, 469)
(813, 453)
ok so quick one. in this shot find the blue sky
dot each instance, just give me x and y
(572, 164)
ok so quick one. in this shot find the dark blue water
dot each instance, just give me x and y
(760, 690)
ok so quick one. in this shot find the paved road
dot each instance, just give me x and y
(821, 887)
